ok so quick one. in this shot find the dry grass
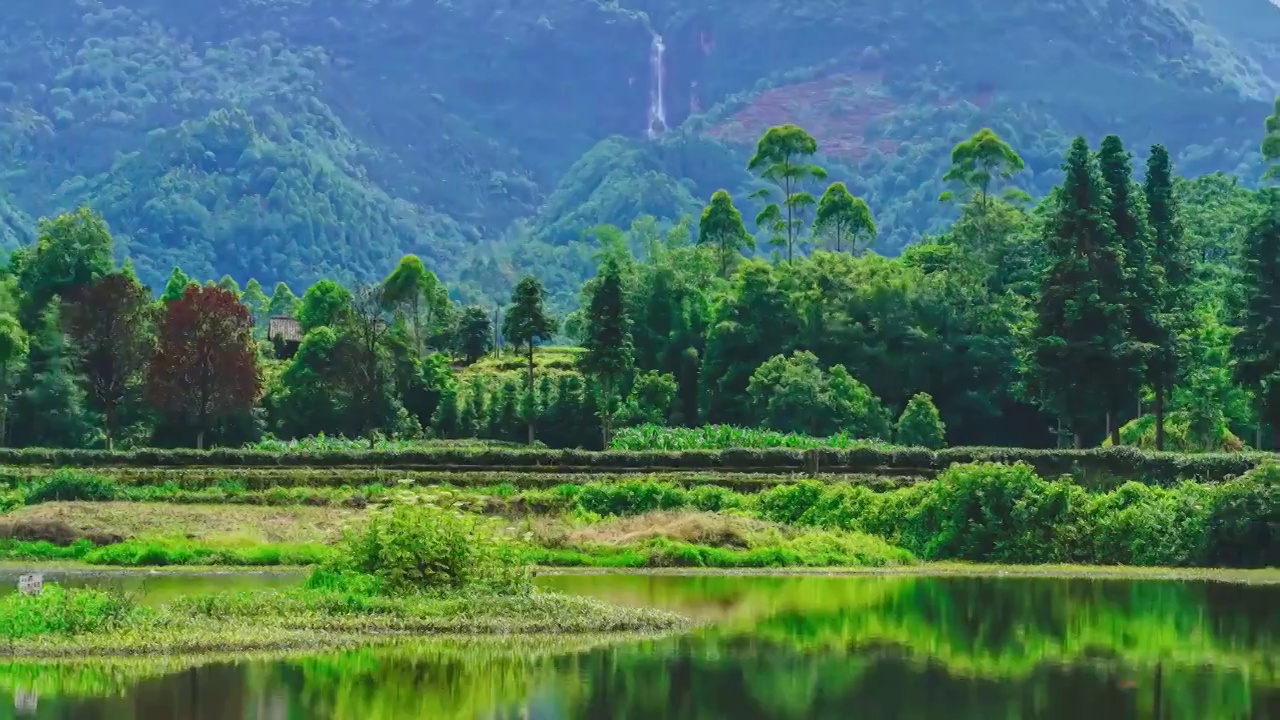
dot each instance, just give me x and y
(69, 521)
(690, 526)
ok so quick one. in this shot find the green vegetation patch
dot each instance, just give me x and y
(413, 569)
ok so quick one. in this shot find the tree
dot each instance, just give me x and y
(283, 302)
(844, 216)
(257, 301)
(13, 351)
(312, 397)
(920, 424)
(205, 363)
(1081, 316)
(1171, 259)
(50, 405)
(475, 334)
(365, 362)
(981, 160)
(527, 324)
(418, 294)
(325, 303)
(229, 284)
(1128, 213)
(72, 251)
(1256, 348)
(781, 158)
(609, 353)
(721, 227)
(110, 325)
(176, 285)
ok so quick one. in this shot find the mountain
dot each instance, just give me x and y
(294, 139)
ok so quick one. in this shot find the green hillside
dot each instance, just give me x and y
(298, 139)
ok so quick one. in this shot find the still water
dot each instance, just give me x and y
(774, 647)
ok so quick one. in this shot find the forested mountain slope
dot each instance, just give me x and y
(294, 139)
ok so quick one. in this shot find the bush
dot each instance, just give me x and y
(62, 611)
(920, 424)
(66, 485)
(631, 497)
(412, 548)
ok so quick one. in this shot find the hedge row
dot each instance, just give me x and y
(1096, 466)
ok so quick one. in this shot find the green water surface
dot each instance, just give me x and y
(780, 648)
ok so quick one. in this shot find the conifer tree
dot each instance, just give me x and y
(527, 324)
(50, 407)
(1081, 325)
(609, 354)
(176, 285)
(283, 302)
(1256, 349)
(257, 301)
(1172, 262)
(1128, 212)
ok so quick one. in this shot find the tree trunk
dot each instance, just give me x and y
(1275, 438)
(532, 407)
(1114, 430)
(1159, 391)
(1079, 441)
(200, 439)
(109, 417)
(606, 411)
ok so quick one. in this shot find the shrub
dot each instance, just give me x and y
(631, 497)
(920, 424)
(1243, 524)
(66, 485)
(423, 548)
(63, 611)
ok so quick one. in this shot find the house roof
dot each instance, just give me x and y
(285, 328)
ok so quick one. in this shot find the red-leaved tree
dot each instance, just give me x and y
(205, 366)
(110, 325)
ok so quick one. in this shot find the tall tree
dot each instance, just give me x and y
(527, 324)
(176, 285)
(366, 362)
(1081, 320)
(416, 293)
(609, 355)
(13, 352)
(283, 302)
(781, 158)
(72, 251)
(1128, 211)
(324, 304)
(50, 406)
(475, 333)
(1171, 259)
(977, 165)
(844, 217)
(229, 284)
(721, 227)
(205, 364)
(1256, 349)
(257, 301)
(110, 325)
(980, 161)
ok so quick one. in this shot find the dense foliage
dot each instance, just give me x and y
(303, 140)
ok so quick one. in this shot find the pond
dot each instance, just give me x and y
(776, 647)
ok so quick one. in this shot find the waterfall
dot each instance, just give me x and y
(657, 72)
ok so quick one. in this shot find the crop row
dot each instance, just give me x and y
(1091, 467)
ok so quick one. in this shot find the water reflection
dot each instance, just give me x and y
(780, 647)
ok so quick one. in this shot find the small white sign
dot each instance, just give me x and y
(31, 584)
